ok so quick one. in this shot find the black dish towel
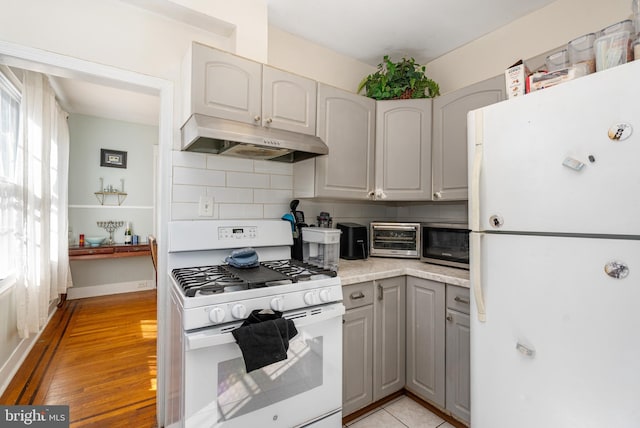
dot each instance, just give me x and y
(264, 338)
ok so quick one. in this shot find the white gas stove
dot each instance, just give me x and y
(209, 299)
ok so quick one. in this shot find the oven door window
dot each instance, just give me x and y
(395, 239)
(219, 392)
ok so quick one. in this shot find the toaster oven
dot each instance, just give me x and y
(394, 239)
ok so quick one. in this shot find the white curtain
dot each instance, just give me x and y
(42, 171)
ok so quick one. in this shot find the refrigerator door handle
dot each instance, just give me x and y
(477, 169)
(475, 238)
(476, 275)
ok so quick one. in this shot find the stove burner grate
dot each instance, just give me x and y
(223, 278)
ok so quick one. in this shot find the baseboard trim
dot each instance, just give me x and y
(107, 289)
(20, 353)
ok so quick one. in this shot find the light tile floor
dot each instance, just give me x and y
(400, 413)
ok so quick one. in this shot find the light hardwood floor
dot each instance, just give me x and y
(98, 356)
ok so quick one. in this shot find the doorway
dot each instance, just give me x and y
(72, 68)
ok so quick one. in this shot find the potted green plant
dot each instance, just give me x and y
(399, 80)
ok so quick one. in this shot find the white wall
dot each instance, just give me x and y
(87, 136)
(536, 33)
(298, 56)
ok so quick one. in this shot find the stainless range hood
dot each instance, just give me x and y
(214, 135)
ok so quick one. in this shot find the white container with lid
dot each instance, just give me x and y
(321, 247)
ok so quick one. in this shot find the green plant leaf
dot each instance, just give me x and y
(392, 79)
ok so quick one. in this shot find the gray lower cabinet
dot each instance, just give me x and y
(426, 339)
(357, 351)
(389, 337)
(373, 342)
(449, 144)
(458, 358)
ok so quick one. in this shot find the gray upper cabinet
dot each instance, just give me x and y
(403, 150)
(389, 340)
(224, 85)
(426, 339)
(346, 123)
(449, 165)
(288, 101)
(231, 87)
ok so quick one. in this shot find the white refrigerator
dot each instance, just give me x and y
(554, 212)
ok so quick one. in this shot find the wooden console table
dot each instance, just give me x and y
(105, 252)
(109, 251)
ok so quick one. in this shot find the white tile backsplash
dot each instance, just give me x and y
(229, 163)
(249, 180)
(184, 211)
(188, 159)
(184, 193)
(282, 182)
(246, 189)
(271, 196)
(275, 210)
(231, 196)
(240, 211)
(203, 177)
(272, 167)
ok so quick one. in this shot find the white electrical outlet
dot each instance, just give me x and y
(205, 208)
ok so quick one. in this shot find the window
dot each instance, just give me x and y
(9, 134)
(9, 125)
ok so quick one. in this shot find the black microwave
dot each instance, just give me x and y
(445, 244)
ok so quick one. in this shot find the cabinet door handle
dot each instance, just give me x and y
(269, 120)
(357, 295)
(257, 118)
(449, 317)
(380, 294)
(461, 300)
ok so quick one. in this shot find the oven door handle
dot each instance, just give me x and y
(208, 338)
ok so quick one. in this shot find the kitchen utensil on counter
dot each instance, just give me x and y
(324, 219)
(289, 217)
(298, 216)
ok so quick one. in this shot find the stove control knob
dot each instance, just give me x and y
(239, 311)
(310, 298)
(216, 315)
(325, 295)
(277, 304)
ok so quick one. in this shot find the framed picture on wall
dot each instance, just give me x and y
(113, 158)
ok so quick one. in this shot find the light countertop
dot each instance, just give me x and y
(355, 271)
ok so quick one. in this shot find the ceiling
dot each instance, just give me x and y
(365, 30)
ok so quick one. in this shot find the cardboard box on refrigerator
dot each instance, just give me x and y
(517, 79)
